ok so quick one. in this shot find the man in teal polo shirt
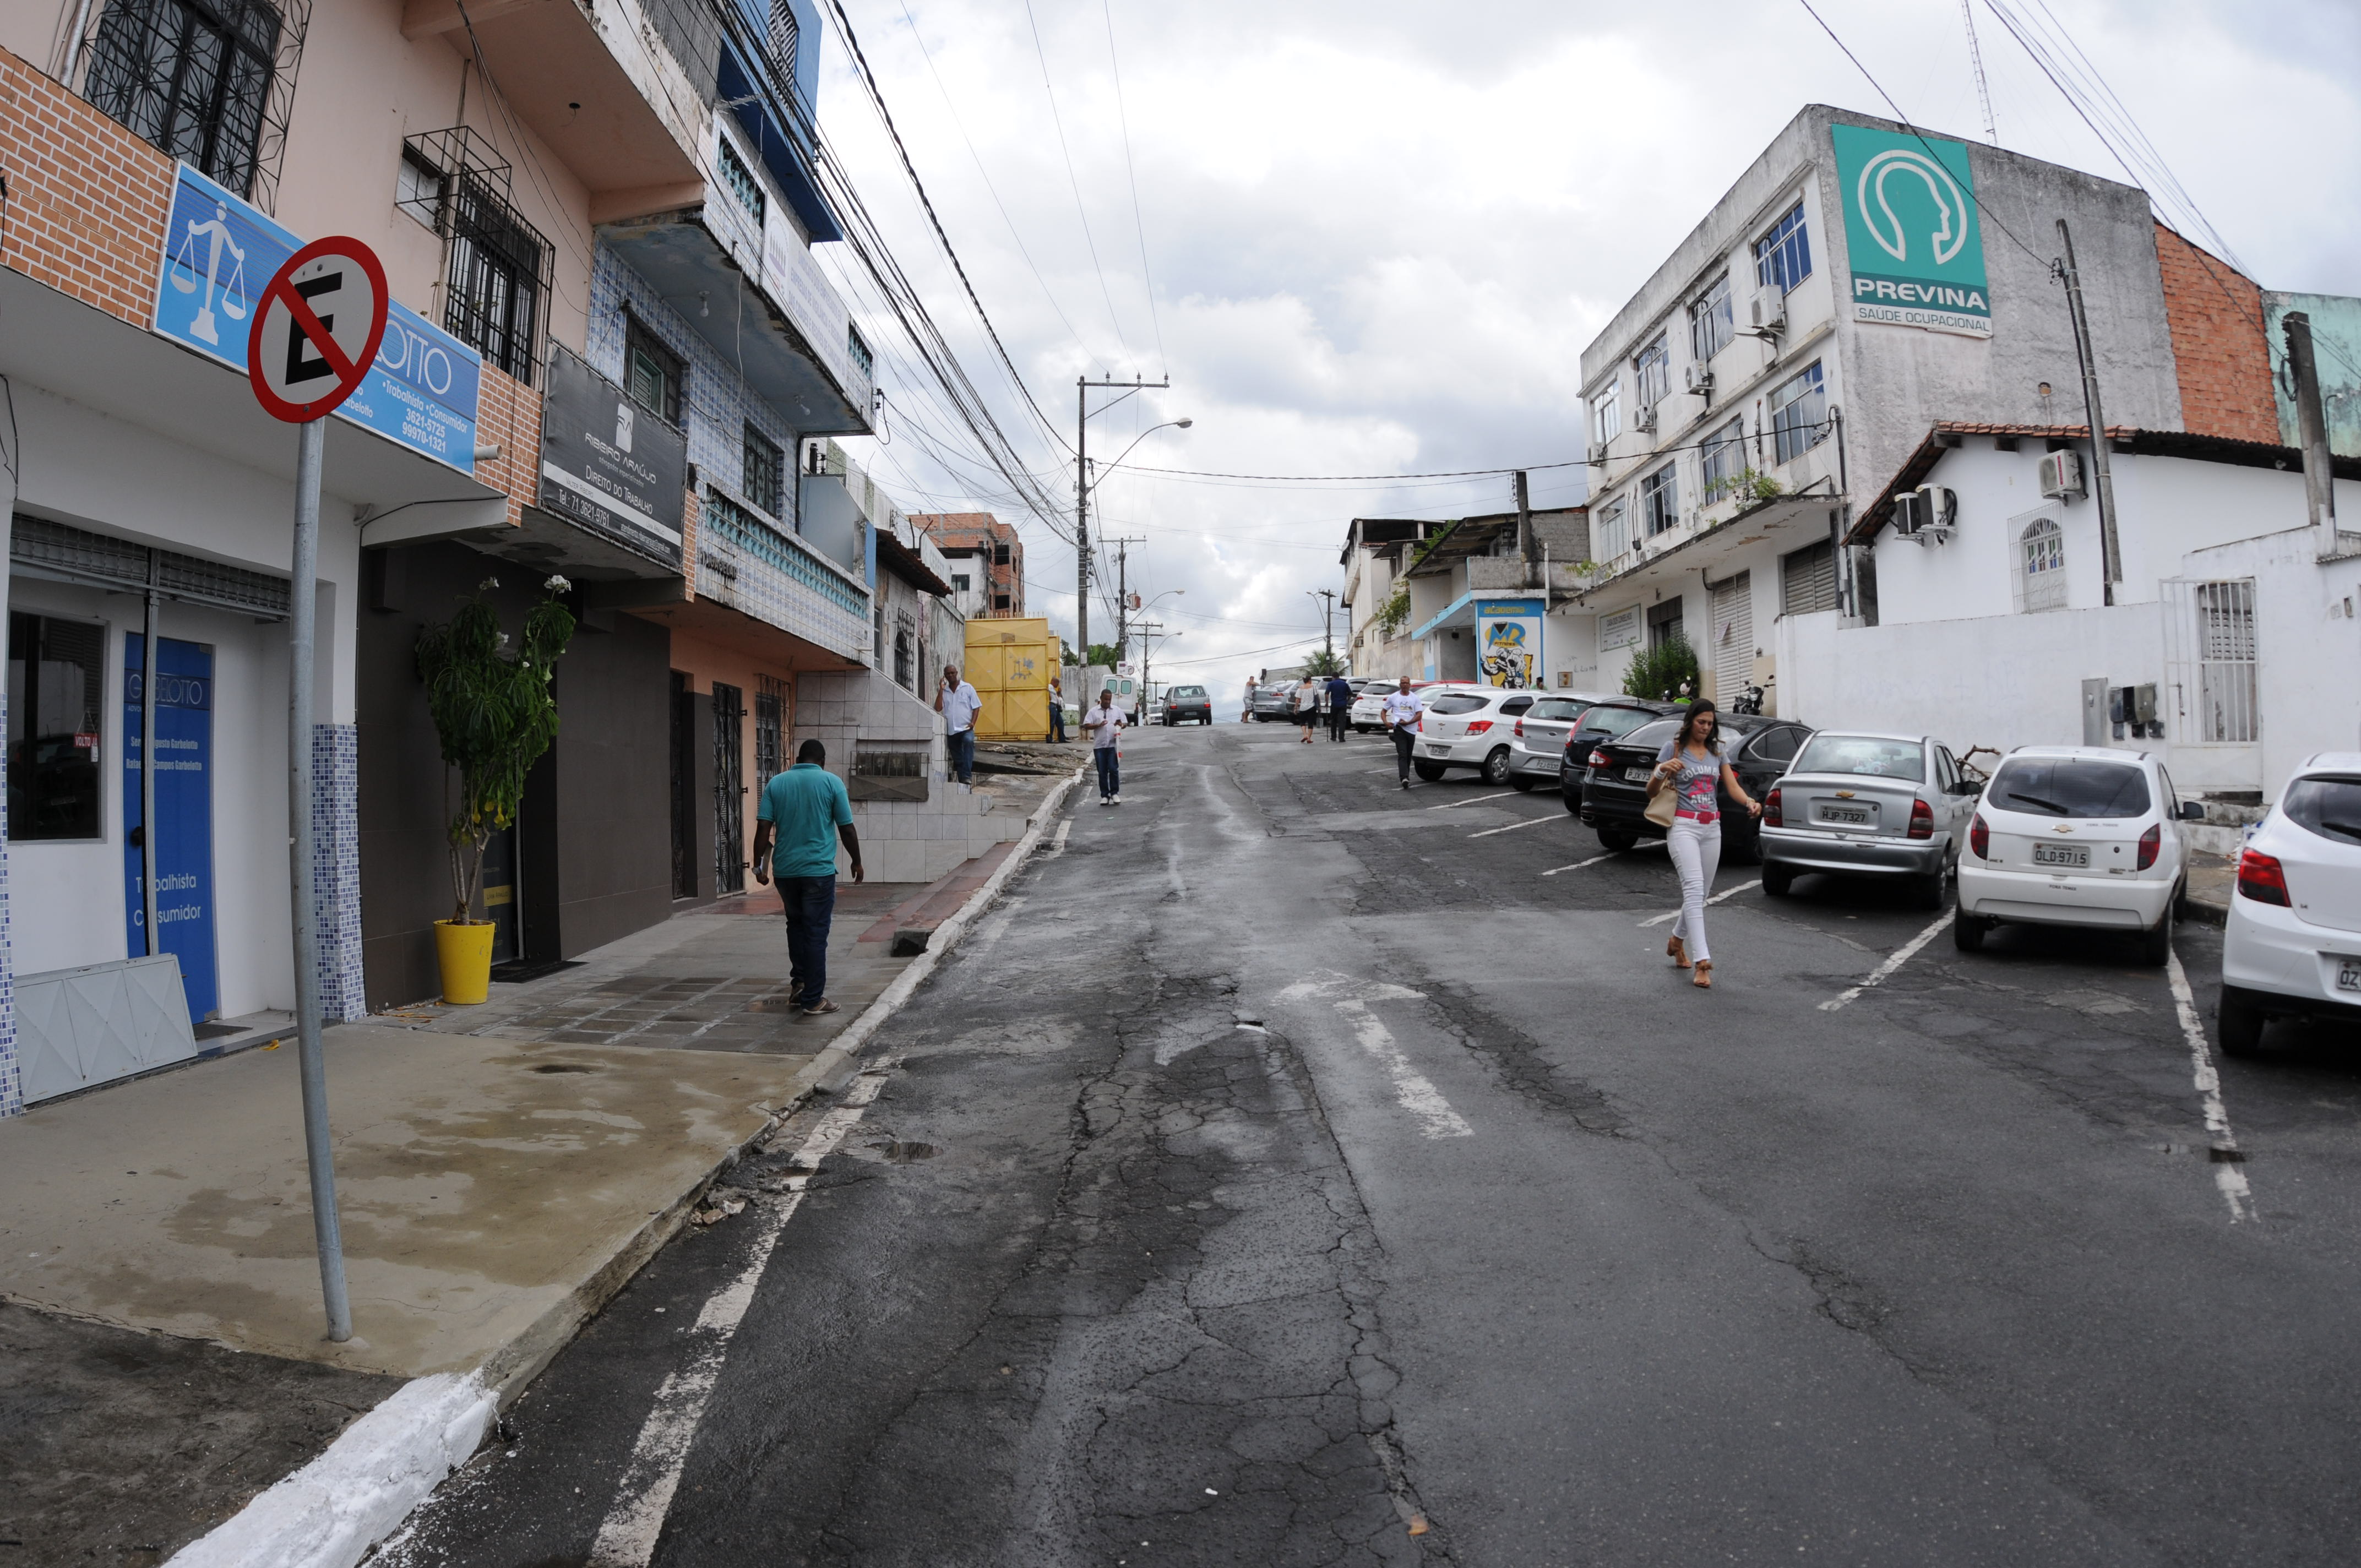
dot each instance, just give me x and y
(810, 812)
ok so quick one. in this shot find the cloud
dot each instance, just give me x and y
(1377, 237)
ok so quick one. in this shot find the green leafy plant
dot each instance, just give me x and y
(1106, 655)
(1394, 614)
(494, 716)
(1324, 663)
(1749, 485)
(1667, 673)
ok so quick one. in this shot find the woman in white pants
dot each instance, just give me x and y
(1691, 764)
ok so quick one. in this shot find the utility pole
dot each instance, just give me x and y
(1083, 384)
(1327, 620)
(2102, 481)
(1122, 594)
(2312, 423)
(1525, 527)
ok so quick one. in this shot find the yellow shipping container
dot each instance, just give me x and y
(1009, 662)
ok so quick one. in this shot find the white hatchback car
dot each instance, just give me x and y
(2076, 835)
(1469, 727)
(2294, 944)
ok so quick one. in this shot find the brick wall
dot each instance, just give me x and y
(509, 415)
(2215, 314)
(87, 200)
(981, 531)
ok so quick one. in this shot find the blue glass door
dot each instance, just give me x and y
(184, 811)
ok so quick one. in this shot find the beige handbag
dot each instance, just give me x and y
(1664, 804)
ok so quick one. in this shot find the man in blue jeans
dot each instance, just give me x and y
(958, 705)
(1106, 722)
(807, 807)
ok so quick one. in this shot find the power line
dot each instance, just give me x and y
(1072, 178)
(1139, 225)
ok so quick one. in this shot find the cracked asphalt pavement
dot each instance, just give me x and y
(1283, 1174)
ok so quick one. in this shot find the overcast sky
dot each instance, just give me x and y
(1375, 238)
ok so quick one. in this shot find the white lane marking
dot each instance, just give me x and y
(996, 927)
(1412, 1091)
(1717, 898)
(1472, 800)
(1530, 822)
(1058, 844)
(1902, 955)
(1652, 844)
(2229, 1175)
(628, 1537)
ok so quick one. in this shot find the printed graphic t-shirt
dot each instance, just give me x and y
(1696, 779)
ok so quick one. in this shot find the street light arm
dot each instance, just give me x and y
(1151, 430)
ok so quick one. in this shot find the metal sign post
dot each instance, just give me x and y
(313, 339)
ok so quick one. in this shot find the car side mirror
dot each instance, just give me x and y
(2192, 811)
(1966, 786)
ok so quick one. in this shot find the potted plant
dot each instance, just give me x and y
(494, 716)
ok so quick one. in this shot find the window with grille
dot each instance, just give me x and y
(1783, 256)
(1807, 579)
(859, 348)
(1660, 500)
(2041, 566)
(55, 671)
(497, 279)
(783, 36)
(1721, 463)
(189, 76)
(1799, 414)
(1652, 370)
(1710, 324)
(764, 474)
(653, 373)
(741, 181)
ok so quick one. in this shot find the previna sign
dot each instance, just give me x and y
(1913, 233)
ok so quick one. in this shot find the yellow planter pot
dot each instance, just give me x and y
(465, 955)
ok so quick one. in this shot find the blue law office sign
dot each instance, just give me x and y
(220, 253)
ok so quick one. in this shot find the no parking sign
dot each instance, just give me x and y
(321, 319)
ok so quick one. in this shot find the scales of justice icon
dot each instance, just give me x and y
(233, 289)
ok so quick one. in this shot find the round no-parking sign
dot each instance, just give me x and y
(318, 330)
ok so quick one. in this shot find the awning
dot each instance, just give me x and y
(1787, 522)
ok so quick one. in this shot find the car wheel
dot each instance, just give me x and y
(1521, 782)
(1618, 838)
(1496, 767)
(1742, 848)
(1572, 799)
(2239, 1018)
(1428, 771)
(2156, 942)
(1927, 890)
(1969, 931)
(1777, 882)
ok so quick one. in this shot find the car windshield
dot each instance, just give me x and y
(1458, 702)
(1609, 720)
(2068, 786)
(2328, 806)
(1186, 693)
(1865, 755)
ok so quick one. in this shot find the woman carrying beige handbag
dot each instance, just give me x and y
(1682, 800)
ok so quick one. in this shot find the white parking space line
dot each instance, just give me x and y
(628, 1537)
(1528, 822)
(1902, 955)
(1412, 1091)
(1472, 799)
(1609, 855)
(1717, 898)
(2229, 1172)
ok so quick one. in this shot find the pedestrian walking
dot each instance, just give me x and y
(1402, 708)
(1057, 712)
(811, 815)
(1340, 706)
(1247, 717)
(958, 705)
(1307, 707)
(1106, 722)
(1691, 764)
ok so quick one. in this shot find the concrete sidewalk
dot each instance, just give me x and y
(502, 1170)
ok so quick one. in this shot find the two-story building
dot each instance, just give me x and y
(987, 562)
(1861, 281)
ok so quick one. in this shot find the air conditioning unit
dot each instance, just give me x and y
(1697, 379)
(2062, 476)
(1645, 417)
(1926, 514)
(1767, 310)
(1595, 455)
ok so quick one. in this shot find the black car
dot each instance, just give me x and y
(1615, 795)
(1599, 723)
(1188, 702)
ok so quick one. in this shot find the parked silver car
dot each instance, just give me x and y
(1537, 741)
(1868, 805)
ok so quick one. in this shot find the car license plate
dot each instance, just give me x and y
(2061, 855)
(1435, 750)
(2348, 974)
(1846, 815)
(1638, 775)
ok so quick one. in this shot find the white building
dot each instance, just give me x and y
(1859, 282)
(2228, 646)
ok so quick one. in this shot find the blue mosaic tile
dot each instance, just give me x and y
(336, 870)
(12, 1078)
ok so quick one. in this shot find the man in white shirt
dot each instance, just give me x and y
(958, 705)
(1247, 715)
(1106, 722)
(1402, 711)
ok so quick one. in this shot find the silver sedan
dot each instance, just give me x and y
(1860, 804)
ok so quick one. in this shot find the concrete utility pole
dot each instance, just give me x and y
(1083, 384)
(1525, 527)
(2311, 425)
(1327, 619)
(1122, 593)
(2103, 483)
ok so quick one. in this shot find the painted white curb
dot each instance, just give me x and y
(331, 1512)
(328, 1514)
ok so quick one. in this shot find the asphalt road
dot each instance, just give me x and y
(1290, 1172)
